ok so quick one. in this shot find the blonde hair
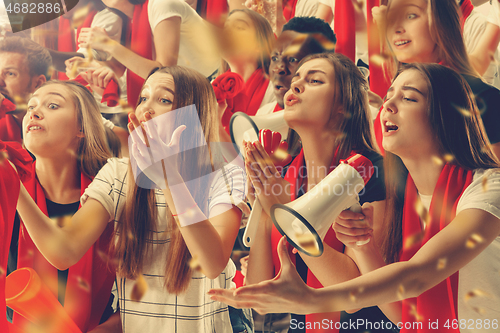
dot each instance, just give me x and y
(92, 151)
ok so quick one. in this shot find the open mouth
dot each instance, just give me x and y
(402, 42)
(280, 87)
(291, 100)
(33, 128)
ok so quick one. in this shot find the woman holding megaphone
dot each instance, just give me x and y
(327, 107)
(431, 128)
(170, 245)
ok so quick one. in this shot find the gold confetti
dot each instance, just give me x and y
(353, 294)
(412, 240)
(441, 264)
(280, 154)
(126, 107)
(325, 43)
(464, 112)
(83, 284)
(195, 265)
(448, 158)
(139, 289)
(485, 179)
(437, 160)
(3, 156)
(80, 16)
(308, 243)
(422, 211)
(476, 293)
(473, 241)
(415, 314)
(62, 221)
(401, 292)
(2, 271)
(380, 59)
(479, 310)
(130, 235)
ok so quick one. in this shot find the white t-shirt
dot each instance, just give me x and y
(306, 8)
(266, 109)
(474, 28)
(159, 311)
(361, 30)
(197, 49)
(483, 271)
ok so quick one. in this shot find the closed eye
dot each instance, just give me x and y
(409, 99)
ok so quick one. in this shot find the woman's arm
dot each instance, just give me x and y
(62, 246)
(325, 13)
(260, 260)
(482, 55)
(387, 284)
(166, 37)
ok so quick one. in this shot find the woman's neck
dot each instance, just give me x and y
(319, 151)
(425, 173)
(245, 69)
(59, 178)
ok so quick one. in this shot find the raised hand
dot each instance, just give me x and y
(154, 157)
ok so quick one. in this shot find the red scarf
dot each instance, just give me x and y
(440, 302)
(89, 281)
(9, 128)
(9, 193)
(295, 176)
(214, 11)
(277, 108)
(66, 41)
(466, 8)
(345, 28)
(289, 9)
(250, 99)
(141, 42)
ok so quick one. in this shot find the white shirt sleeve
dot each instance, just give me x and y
(306, 8)
(484, 196)
(109, 187)
(494, 13)
(159, 10)
(110, 22)
(228, 187)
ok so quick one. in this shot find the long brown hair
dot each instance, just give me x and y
(356, 126)
(444, 27)
(264, 36)
(460, 134)
(92, 152)
(139, 218)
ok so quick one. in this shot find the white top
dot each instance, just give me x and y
(112, 24)
(197, 48)
(361, 29)
(306, 7)
(474, 28)
(483, 271)
(159, 311)
(269, 96)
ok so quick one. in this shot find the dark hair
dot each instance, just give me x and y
(310, 25)
(459, 131)
(352, 96)
(140, 215)
(38, 59)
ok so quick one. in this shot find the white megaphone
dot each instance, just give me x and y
(306, 221)
(245, 127)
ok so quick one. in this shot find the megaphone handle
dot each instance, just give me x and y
(252, 224)
(356, 208)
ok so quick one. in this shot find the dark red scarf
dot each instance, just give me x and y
(277, 108)
(440, 302)
(141, 42)
(250, 99)
(9, 128)
(214, 11)
(295, 176)
(66, 40)
(289, 9)
(466, 8)
(9, 193)
(345, 28)
(89, 281)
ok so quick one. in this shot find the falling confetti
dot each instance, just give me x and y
(473, 241)
(327, 44)
(195, 265)
(80, 16)
(479, 310)
(412, 240)
(448, 158)
(2, 271)
(422, 211)
(83, 284)
(130, 235)
(401, 292)
(441, 264)
(476, 293)
(379, 59)
(485, 179)
(415, 314)
(308, 243)
(62, 221)
(437, 160)
(139, 289)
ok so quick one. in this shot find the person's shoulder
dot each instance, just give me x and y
(168, 5)
(115, 166)
(480, 87)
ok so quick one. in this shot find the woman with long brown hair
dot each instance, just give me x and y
(165, 264)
